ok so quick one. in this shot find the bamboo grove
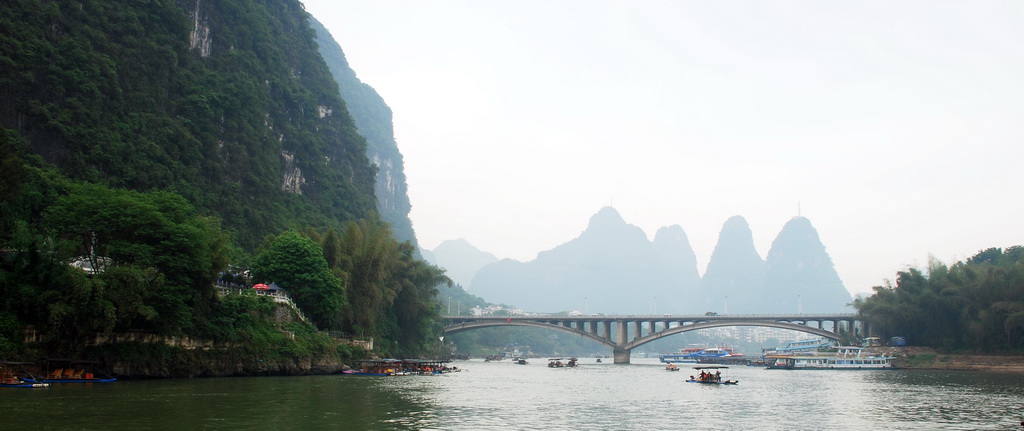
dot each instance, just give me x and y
(977, 304)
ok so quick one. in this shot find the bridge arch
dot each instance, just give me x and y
(460, 327)
(615, 331)
(722, 323)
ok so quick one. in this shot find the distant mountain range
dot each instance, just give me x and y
(461, 259)
(612, 268)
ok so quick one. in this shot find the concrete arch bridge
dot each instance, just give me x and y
(622, 334)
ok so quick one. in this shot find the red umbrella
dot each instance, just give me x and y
(261, 286)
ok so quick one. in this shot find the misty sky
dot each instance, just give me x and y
(895, 127)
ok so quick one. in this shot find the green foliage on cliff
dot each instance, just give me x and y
(154, 259)
(977, 304)
(229, 105)
(374, 120)
(297, 264)
(156, 141)
(362, 282)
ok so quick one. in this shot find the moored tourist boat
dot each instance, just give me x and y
(800, 346)
(684, 355)
(711, 375)
(400, 367)
(72, 371)
(379, 367)
(842, 358)
(702, 355)
(10, 378)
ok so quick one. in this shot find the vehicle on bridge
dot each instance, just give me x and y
(711, 375)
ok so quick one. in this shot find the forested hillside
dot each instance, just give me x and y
(226, 103)
(374, 121)
(150, 149)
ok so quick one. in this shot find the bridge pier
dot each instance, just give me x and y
(621, 356)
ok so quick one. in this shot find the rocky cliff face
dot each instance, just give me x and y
(374, 120)
(228, 104)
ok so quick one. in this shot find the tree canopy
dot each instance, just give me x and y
(977, 304)
(388, 294)
(297, 263)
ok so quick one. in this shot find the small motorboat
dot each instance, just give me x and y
(672, 367)
(557, 363)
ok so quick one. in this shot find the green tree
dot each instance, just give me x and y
(369, 255)
(159, 230)
(297, 264)
(974, 304)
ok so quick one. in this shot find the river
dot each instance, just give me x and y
(505, 396)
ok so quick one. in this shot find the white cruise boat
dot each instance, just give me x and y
(844, 357)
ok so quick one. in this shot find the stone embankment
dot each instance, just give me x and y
(925, 358)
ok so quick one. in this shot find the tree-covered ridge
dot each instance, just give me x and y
(976, 304)
(157, 141)
(226, 103)
(151, 262)
(361, 281)
(373, 118)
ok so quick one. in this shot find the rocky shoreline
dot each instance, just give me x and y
(923, 358)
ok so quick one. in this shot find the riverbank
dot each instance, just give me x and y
(925, 358)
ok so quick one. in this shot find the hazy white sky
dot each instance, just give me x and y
(896, 126)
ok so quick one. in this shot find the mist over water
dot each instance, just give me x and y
(504, 396)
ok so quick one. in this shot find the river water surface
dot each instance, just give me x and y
(505, 396)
